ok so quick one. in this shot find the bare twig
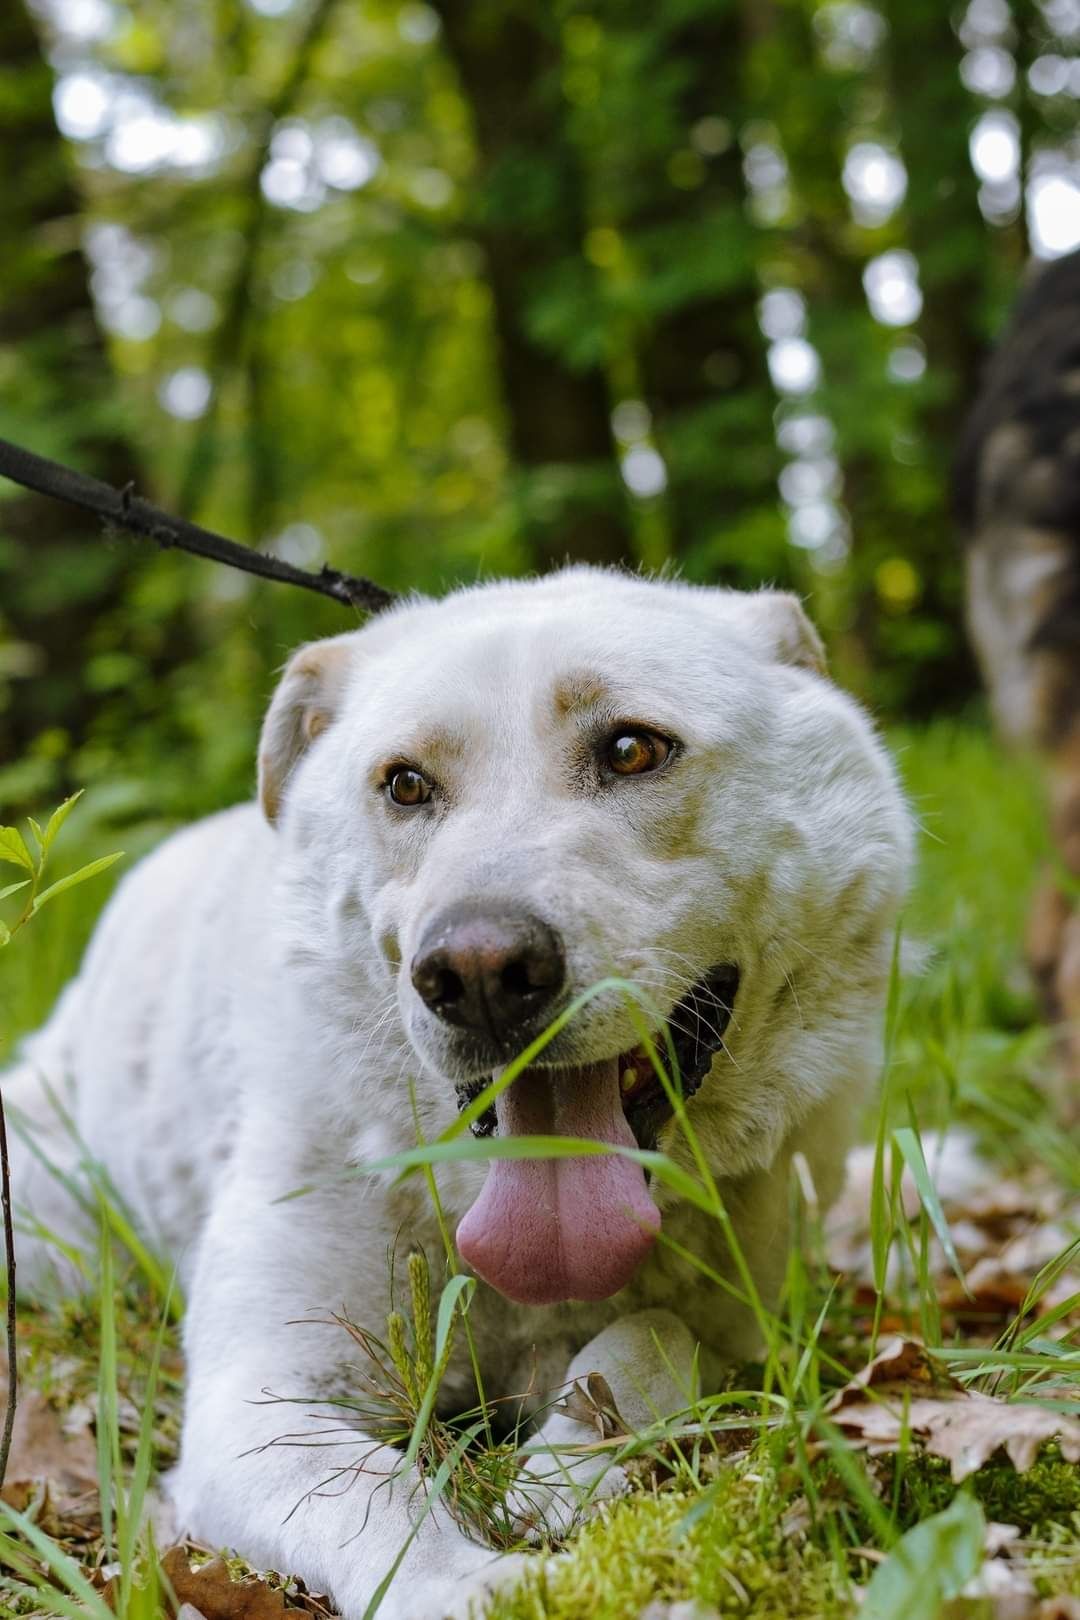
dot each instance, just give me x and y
(9, 1259)
(124, 510)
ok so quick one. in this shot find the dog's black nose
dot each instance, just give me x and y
(488, 968)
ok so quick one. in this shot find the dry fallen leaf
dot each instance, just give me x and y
(68, 1516)
(999, 1591)
(592, 1404)
(1004, 1231)
(900, 1362)
(970, 1429)
(909, 1396)
(215, 1594)
(43, 1448)
(212, 1591)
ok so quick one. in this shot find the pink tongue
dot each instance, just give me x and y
(544, 1230)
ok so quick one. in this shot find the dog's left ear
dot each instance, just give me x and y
(305, 703)
(778, 620)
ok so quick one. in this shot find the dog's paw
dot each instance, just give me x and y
(460, 1597)
(548, 1501)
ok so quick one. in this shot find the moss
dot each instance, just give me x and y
(728, 1547)
(1039, 1502)
(732, 1555)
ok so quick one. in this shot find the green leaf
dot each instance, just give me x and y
(57, 819)
(908, 1142)
(928, 1566)
(5, 935)
(38, 834)
(62, 1568)
(881, 1228)
(13, 848)
(480, 1104)
(13, 888)
(456, 1288)
(472, 1150)
(100, 865)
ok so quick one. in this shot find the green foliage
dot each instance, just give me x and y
(442, 268)
(929, 1565)
(17, 852)
(734, 1558)
(40, 1573)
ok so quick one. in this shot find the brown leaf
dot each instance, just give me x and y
(216, 1595)
(64, 1515)
(592, 1404)
(880, 1424)
(966, 1429)
(900, 1362)
(989, 1289)
(41, 1447)
(1000, 1591)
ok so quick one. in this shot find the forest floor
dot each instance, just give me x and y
(904, 1450)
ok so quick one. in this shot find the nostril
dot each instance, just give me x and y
(526, 976)
(438, 985)
(447, 988)
(515, 979)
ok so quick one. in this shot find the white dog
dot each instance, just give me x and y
(472, 811)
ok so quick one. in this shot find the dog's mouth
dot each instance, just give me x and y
(550, 1229)
(695, 1033)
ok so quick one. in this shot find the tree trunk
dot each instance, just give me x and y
(530, 220)
(58, 579)
(703, 368)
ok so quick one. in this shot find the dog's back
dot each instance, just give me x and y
(1017, 495)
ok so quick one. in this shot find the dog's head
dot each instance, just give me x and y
(493, 804)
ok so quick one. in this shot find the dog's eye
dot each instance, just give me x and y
(632, 753)
(407, 786)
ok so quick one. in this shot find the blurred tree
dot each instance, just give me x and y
(672, 98)
(59, 582)
(529, 214)
(946, 233)
(237, 345)
(440, 291)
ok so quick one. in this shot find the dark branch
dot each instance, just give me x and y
(123, 510)
(9, 1258)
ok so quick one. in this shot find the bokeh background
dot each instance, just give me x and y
(440, 291)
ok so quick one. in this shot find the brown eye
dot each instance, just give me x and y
(632, 753)
(406, 786)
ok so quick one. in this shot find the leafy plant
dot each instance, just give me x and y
(15, 850)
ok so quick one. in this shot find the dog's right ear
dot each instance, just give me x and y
(305, 703)
(777, 624)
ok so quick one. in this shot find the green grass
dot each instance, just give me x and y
(753, 1503)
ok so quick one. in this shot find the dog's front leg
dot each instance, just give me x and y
(269, 1466)
(648, 1363)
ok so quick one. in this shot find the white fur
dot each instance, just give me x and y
(240, 1026)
